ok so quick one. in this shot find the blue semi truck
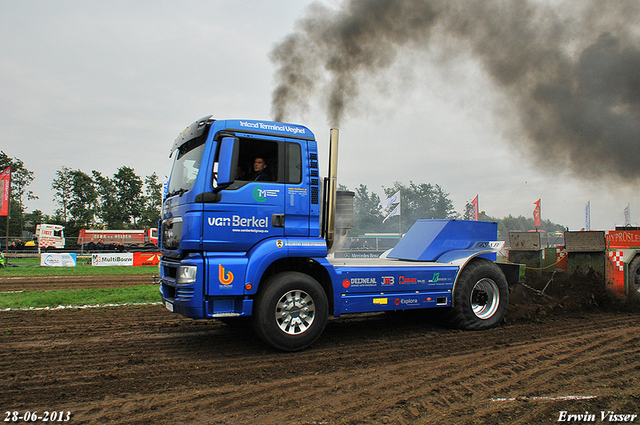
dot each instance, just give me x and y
(248, 229)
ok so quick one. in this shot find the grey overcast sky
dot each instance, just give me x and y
(99, 85)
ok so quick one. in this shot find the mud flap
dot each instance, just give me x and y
(514, 273)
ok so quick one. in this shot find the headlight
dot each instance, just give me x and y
(187, 274)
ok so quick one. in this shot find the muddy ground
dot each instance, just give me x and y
(574, 351)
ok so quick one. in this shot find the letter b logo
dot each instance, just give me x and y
(226, 277)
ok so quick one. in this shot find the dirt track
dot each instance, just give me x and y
(145, 365)
(47, 283)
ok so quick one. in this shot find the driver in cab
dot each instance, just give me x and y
(259, 169)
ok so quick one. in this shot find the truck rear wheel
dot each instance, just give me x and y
(481, 296)
(291, 311)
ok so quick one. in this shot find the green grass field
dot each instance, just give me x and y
(75, 297)
(80, 297)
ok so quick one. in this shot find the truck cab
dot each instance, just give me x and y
(222, 227)
(50, 236)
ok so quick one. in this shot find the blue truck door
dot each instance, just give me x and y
(243, 217)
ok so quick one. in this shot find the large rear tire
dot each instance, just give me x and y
(290, 311)
(481, 296)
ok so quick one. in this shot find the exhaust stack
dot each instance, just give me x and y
(331, 189)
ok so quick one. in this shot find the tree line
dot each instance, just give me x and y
(122, 201)
(85, 201)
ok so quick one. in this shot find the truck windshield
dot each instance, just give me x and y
(186, 166)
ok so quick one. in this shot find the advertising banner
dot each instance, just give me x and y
(622, 239)
(125, 259)
(64, 259)
(146, 258)
(5, 190)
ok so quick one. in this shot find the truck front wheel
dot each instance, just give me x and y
(290, 311)
(481, 296)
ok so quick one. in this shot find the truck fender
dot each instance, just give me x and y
(268, 251)
(461, 258)
(261, 256)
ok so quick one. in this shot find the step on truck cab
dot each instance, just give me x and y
(248, 227)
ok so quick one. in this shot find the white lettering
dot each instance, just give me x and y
(273, 127)
(237, 221)
(611, 416)
(567, 417)
(267, 192)
(363, 280)
(219, 221)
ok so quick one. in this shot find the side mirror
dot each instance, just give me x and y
(228, 161)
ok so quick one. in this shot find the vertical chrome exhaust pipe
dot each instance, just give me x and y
(332, 187)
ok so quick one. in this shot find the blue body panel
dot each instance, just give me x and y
(427, 240)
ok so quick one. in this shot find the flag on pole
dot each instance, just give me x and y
(5, 189)
(587, 216)
(475, 208)
(396, 211)
(395, 198)
(627, 216)
(165, 188)
(536, 214)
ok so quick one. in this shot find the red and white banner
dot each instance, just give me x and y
(475, 208)
(5, 190)
(536, 214)
(146, 258)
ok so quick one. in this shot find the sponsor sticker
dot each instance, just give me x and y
(492, 245)
(362, 281)
(403, 280)
(406, 302)
(225, 276)
(237, 223)
(261, 195)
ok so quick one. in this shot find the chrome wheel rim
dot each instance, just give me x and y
(485, 298)
(295, 312)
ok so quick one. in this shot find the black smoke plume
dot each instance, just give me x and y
(571, 71)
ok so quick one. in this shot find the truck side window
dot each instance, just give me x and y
(250, 149)
(294, 163)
